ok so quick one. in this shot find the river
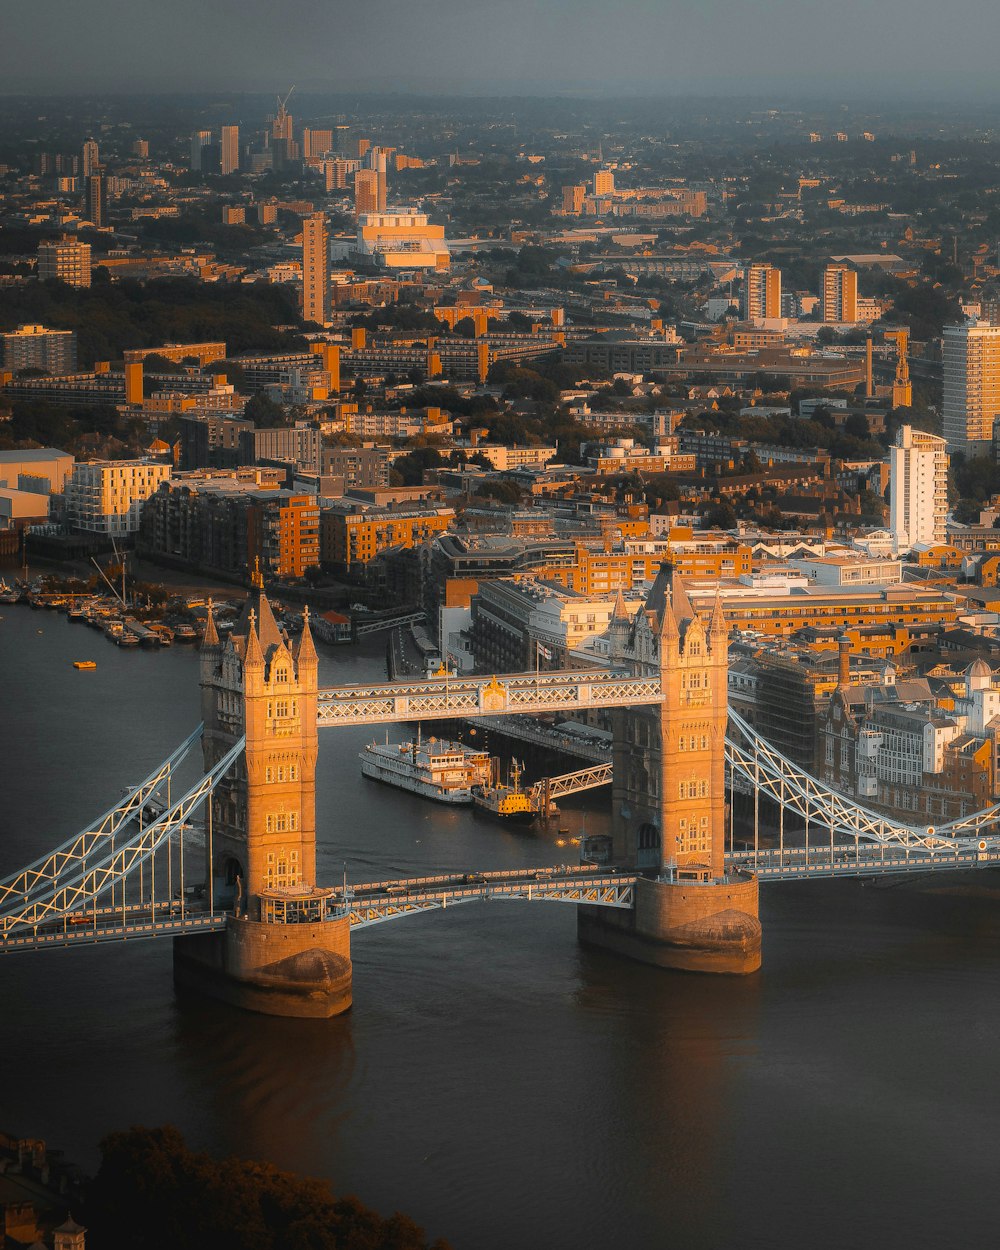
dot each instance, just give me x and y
(496, 1082)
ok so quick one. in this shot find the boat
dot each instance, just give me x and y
(185, 633)
(436, 768)
(511, 802)
(85, 664)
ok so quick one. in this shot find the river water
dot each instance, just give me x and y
(495, 1081)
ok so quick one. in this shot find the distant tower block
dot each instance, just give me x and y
(669, 798)
(286, 949)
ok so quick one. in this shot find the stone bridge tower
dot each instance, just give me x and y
(286, 948)
(669, 795)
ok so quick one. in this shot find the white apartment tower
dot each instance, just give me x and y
(918, 488)
(761, 293)
(315, 268)
(971, 387)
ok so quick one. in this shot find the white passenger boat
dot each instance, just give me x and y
(435, 768)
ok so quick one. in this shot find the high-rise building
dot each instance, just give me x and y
(840, 293)
(94, 208)
(918, 488)
(315, 268)
(36, 347)
(66, 259)
(140, 148)
(199, 141)
(316, 143)
(229, 156)
(369, 192)
(971, 387)
(572, 199)
(336, 173)
(604, 182)
(90, 159)
(761, 293)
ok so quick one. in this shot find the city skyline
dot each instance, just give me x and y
(650, 49)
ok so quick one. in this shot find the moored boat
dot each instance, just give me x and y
(507, 802)
(437, 769)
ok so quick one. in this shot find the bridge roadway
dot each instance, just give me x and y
(442, 698)
(849, 860)
(376, 902)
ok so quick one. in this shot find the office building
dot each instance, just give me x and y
(918, 489)
(94, 206)
(604, 182)
(200, 140)
(761, 293)
(840, 293)
(66, 259)
(229, 152)
(90, 161)
(971, 387)
(404, 240)
(35, 347)
(315, 268)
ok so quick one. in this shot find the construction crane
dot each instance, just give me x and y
(281, 121)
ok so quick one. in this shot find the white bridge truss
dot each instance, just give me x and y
(393, 900)
(571, 783)
(443, 698)
(86, 891)
(772, 774)
(21, 887)
(362, 629)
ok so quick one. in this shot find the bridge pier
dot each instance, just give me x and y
(299, 970)
(689, 926)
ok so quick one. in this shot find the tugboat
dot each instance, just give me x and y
(509, 803)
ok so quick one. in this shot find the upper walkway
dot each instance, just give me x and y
(441, 698)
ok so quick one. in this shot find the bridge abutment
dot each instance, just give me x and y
(685, 925)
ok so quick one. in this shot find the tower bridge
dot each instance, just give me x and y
(238, 892)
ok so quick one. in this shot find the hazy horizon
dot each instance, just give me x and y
(636, 48)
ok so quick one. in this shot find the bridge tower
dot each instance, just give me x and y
(669, 797)
(286, 946)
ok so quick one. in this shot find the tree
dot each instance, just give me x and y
(718, 516)
(264, 412)
(153, 1193)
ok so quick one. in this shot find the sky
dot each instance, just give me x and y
(832, 48)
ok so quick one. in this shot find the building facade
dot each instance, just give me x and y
(840, 293)
(918, 498)
(971, 354)
(35, 347)
(66, 260)
(315, 269)
(106, 496)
